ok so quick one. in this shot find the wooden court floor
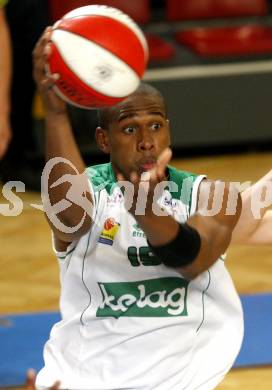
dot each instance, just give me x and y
(29, 273)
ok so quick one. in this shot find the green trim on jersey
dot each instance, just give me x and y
(66, 254)
(102, 176)
(3, 3)
(184, 181)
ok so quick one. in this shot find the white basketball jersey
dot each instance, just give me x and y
(129, 322)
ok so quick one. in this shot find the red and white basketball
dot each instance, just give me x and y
(100, 54)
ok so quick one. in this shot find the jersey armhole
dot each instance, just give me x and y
(194, 195)
(61, 255)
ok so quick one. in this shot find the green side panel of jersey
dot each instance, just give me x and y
(181, 185)
(102, 176)
(3, 3)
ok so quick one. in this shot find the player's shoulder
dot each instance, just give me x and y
(102, 177)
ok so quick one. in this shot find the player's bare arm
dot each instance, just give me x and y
(255, 222)
(262, 235)
(60, 142)
(214, 231)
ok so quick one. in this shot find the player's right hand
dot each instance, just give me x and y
(51, 102)
(148, 182)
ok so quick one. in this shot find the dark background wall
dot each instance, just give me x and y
(219, 110)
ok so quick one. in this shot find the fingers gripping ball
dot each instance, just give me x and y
(100, 54)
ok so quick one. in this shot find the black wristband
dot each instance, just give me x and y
(182, 250)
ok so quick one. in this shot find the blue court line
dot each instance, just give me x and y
(22, 338)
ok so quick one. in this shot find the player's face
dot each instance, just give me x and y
(138, 133)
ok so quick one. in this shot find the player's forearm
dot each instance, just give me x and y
(215, 239)
(256, 201)
(63, 179)
(215, 231)
(158, 229)
(5, 65)
(61, 144)
(193, 247)
(169, 241)
(164, 230)
(263, 233)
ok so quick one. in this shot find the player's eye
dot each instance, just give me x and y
(129, 130)
(155, 126)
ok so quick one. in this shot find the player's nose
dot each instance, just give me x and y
(145, 139)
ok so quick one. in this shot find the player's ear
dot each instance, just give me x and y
(102, 139)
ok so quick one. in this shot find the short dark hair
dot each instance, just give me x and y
(104, 115)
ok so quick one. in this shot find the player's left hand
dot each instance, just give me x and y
(145, 193)
(45, 82)
(30, 381)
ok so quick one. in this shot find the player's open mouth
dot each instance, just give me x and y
(147, 166)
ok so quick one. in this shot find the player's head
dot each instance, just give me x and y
(135, 131)
(106, 115)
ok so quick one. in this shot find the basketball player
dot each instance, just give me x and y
(146, 300)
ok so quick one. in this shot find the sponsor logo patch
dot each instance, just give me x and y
(109, 231)
(164, 297)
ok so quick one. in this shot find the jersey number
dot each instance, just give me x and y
(142, 256)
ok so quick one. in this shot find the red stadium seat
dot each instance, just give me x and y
(224, 41)
(201, 9)
(159, 49)
(139, 10)
(216, 42)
